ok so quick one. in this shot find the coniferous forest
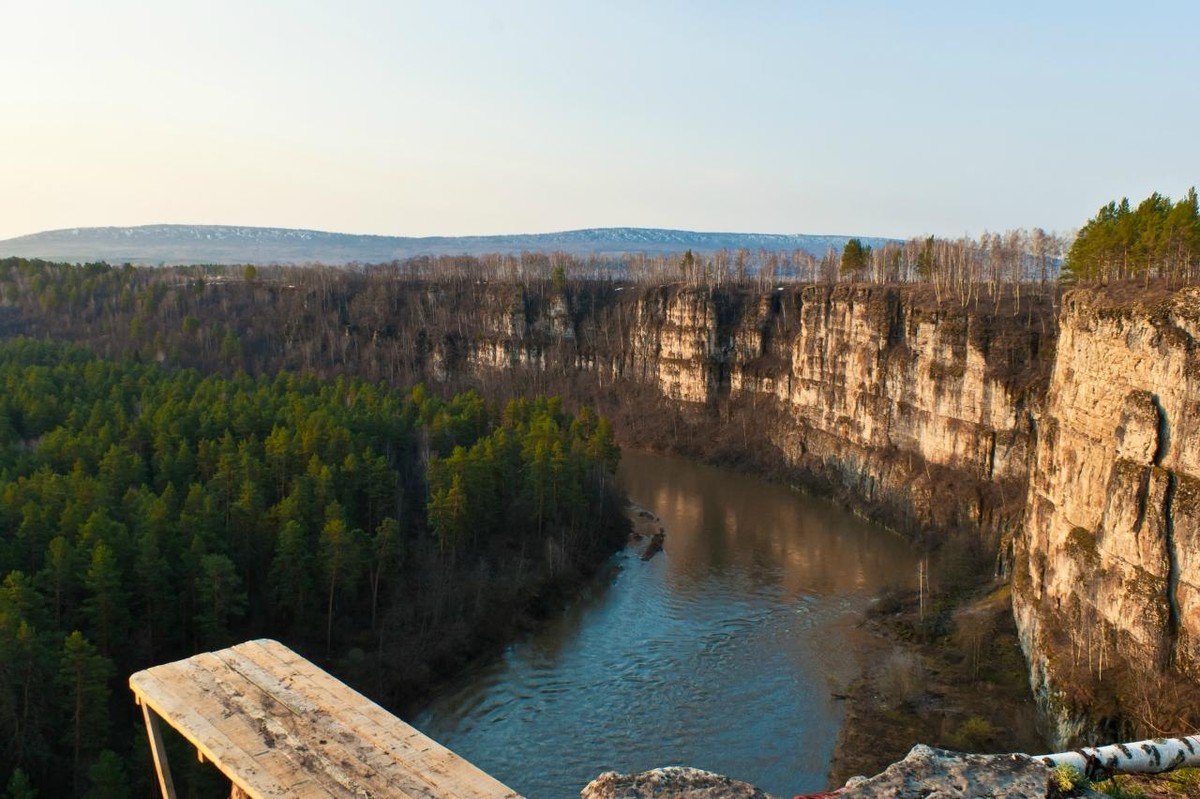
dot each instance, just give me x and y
(1158, 238)
(150, 513)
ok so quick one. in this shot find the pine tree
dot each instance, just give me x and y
(19, 786)
(855, 258)
(385, 549)
(220, 598)
(448, 515)
(291, 573)
(107, 604)
(155, 598)
(927, 260)
(59, 574)
(82, 680)
(108, 777)
(340, 559)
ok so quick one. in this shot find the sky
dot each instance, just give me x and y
(447, 118)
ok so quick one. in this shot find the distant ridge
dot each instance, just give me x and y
(223, 244)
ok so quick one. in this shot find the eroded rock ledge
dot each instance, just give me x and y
(670, 783)
(926, 773)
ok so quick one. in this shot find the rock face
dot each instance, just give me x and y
(1064, 436)
(922, 413)
(1107, 571)
(669, 783)
(918, 415)
(928, 773)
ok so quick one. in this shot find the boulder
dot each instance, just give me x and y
(928, 773)
(670, 783)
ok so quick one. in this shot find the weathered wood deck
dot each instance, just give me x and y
(276, 725)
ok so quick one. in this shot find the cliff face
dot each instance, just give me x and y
(1064, 437)
(918, 416)
(919, 412)
(1107, 571)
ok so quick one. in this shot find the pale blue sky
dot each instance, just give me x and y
(882, 118)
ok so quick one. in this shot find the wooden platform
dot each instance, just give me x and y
(276, 725)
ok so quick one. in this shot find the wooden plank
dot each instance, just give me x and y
(158, 752)
(426, 754)
(324, 731)
(253, 730)
(384, 733)
(240, 767)
(341, 753)
(454, 775)
(263, 775)
(277, 726)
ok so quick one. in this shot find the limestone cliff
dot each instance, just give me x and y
(916, 414)
(1107, 572)
(1065, 434)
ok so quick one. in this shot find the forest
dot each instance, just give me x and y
(149, 513)
(1157, 239)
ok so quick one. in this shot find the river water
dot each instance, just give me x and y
(723, 652)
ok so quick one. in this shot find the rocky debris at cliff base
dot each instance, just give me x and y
(670, 783)
(647, 528)
(928, 773)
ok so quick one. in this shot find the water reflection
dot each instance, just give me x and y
(721, 653)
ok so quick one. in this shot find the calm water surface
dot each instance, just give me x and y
(720, 653)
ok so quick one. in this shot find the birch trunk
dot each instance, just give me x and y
(1141, 757)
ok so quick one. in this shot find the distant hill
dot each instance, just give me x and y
(221, 244)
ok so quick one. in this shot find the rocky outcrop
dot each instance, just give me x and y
(1107, 573)
(916, 413)
(669, 783)
(920, 411)
(926, 773)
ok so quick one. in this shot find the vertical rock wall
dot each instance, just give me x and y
(1071, 435)
(1108, 567)
(918, 415)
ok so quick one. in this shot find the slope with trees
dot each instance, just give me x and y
(146, 514)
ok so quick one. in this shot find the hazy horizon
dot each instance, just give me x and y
(487, 119)
(831, 234)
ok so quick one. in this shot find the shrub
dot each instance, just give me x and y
(901, 679)
(973, 735)
(1066, 780)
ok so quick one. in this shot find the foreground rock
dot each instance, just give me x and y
(669, 783)
(928, 773)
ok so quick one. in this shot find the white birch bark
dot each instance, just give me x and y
(1140, 757)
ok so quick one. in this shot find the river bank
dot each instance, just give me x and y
(953, 677)
(498, 622)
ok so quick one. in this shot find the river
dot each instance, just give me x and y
(723, 652)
